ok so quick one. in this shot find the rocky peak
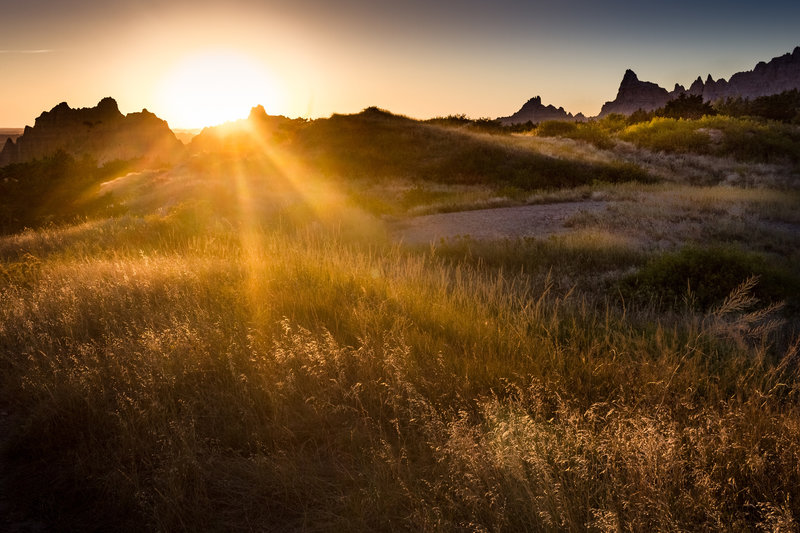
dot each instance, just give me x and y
(779, 74)
(101, 132)
(773, 77)
(696, 88)
(108, 106)
(634, 95)
(630, 78)
(258, 113)
(534, 111)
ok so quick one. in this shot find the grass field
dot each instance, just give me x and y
(235, 343)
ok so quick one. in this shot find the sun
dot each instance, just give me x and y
(213, 87)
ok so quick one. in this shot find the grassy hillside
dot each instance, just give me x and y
(743, 139)
(242, 347)
(377, 144)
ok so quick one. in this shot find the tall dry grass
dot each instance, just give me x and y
(244, 349)
(187, 374)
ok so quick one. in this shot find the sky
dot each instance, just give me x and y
(193, 62)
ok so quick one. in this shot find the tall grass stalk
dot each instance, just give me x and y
(220, 379)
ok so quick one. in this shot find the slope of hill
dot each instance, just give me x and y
(376, 144)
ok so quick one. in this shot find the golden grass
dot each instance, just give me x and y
(221, 379)
(246, 350)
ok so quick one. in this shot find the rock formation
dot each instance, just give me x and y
(780, 74)
(245, 135)
(9, 133)
(634, 94)
(534, 111)
(101, 132)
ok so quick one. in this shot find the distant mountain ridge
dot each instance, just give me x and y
(778, 75)
(101, 132)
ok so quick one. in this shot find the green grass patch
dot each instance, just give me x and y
(704, 277)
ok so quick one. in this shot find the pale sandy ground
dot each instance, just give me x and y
(490, 224)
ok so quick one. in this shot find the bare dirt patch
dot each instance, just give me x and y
(491, 224)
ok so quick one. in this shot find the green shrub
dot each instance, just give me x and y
(612, 123)
(741, 138)
(556, 128)
(55, 189)
(592, 132)
(688, 107)
(668, 135)
(706, 276)
(595, 134)
(784, 107)
(755, 140)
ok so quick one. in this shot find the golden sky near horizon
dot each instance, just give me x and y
(199, 63)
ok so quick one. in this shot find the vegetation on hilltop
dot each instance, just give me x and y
(56, 189)
(744, 139)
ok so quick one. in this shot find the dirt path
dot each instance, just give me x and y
(489, 224)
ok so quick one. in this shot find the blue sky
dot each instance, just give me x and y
(416, 57)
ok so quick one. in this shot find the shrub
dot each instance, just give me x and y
(706, 276)
(612, 123)
(668, 135)
(556, 128)
(741, 138)
(784, 107)
(55, 189)
(754, 140)
(689, 107)
(593, 132)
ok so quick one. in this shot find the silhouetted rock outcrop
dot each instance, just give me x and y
(779, 75)
(101, 132)
(634, 95)
(534, 111)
